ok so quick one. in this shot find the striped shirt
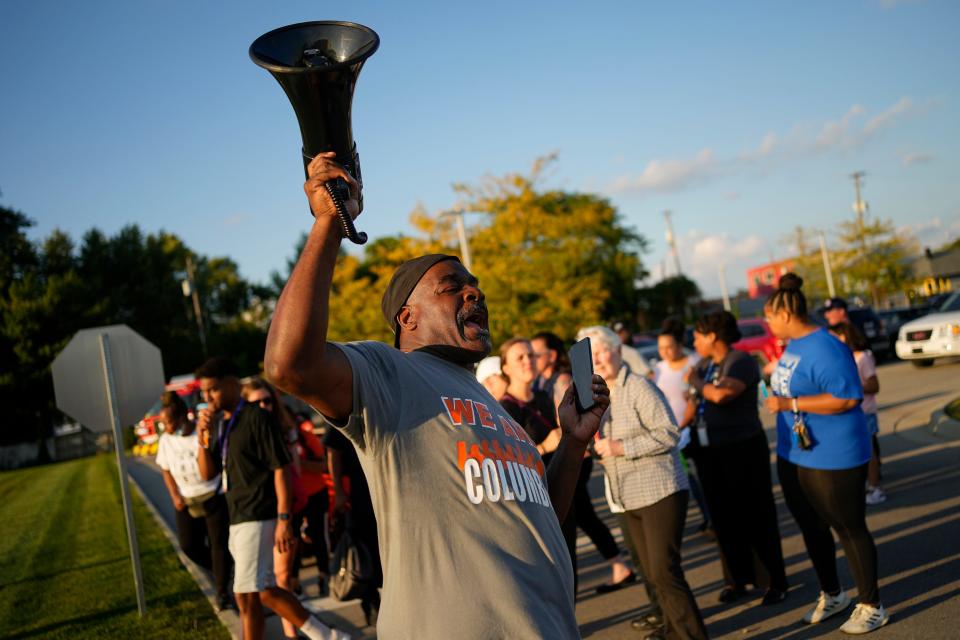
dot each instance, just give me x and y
(649, 469)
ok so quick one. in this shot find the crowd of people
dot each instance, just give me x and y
(468, 474)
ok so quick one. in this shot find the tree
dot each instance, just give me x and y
(873, 259)
(675, 296)
(547, 259)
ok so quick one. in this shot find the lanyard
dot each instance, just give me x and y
(707, 378)
(223, 442)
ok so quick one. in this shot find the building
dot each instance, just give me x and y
(763, 280)
(938, 271)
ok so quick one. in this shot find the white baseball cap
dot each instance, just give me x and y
(487, 367)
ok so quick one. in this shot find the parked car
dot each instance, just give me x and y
(935, 335)
(148, 429)
(872, 326)
(758, 341)
(893, 319)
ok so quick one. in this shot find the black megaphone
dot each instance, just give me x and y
(317, 64)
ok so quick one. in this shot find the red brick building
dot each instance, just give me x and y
(763, 280)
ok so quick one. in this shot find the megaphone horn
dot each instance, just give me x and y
(317, 64)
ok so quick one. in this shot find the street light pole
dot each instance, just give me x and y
(723, 286)
(672, 242)
(462, 236)
(826, 265)
(190, 290)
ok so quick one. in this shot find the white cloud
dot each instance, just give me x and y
(669, 174)
(886, 118)
(915, 157)
(836, 132)
(236, 219)
(703, 254)
(933, 232)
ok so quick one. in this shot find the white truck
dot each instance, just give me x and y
(936, 335)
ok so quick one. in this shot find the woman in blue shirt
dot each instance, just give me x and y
(823, 447)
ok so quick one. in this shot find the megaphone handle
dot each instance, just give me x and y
(346, 222)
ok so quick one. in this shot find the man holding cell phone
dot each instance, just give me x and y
(468, 515)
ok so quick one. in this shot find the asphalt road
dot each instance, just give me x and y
(917, 533)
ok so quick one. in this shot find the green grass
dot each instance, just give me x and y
(953, 409)
(65, 566)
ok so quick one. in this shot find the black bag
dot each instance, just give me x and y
(351, 568)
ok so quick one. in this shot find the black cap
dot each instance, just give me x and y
(402, 284)
(835, 303)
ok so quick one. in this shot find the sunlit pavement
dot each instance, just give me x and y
(917, 531)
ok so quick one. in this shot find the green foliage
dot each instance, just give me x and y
(548, 259)
(676, 296)
(66, 567)
(52, 289)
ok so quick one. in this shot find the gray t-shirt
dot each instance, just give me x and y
(470, 543)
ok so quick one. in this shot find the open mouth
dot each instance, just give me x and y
(474, 319)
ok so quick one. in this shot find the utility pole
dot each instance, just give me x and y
(860, 208)
(190, 290)
(462, 235)
(672, 243)
(723, 286)
(826, 265)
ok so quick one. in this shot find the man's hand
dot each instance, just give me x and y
(205, 420)
(283, 537)
(322, 169)
(608, 448)
(178, 503)
(583, 426)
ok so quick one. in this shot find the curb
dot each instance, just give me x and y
(930, 416)
(229, 620)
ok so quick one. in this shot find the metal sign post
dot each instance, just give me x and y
(111, 390)
(105, 378)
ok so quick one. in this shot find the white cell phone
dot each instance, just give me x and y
(581, 359)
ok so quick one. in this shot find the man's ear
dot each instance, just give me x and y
(407, 318)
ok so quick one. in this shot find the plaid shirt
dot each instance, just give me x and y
(649, 469)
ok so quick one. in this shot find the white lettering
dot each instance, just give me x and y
(507, 493)
(471, 472)
(490, 481)
(518, 486)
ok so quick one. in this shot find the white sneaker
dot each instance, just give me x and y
(865, 618)
(826, 607)
(875, 496)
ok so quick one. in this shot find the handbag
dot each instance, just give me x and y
(196, 506)
(351, 568)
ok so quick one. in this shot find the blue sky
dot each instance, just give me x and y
(745, 119)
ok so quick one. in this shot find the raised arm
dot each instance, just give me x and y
(298, 358)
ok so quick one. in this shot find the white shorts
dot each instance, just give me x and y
(251, 545)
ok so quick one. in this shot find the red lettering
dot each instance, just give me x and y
(458, 410)
(486, 418)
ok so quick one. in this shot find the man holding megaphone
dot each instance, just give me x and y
(468, 517)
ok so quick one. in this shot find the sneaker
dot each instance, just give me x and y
(224, 602)
(865, 618)
(875, 496)
(827, 606)
(649, 622)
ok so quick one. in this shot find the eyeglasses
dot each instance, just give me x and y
(266, 403)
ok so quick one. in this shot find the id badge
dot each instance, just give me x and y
(223, 480)
(702, 433)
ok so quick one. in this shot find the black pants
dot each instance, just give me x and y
(587, 519)
(204, 540)
(820, 499)
(657, 532)
(655, 608)
(313, 514)
(739, 494)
